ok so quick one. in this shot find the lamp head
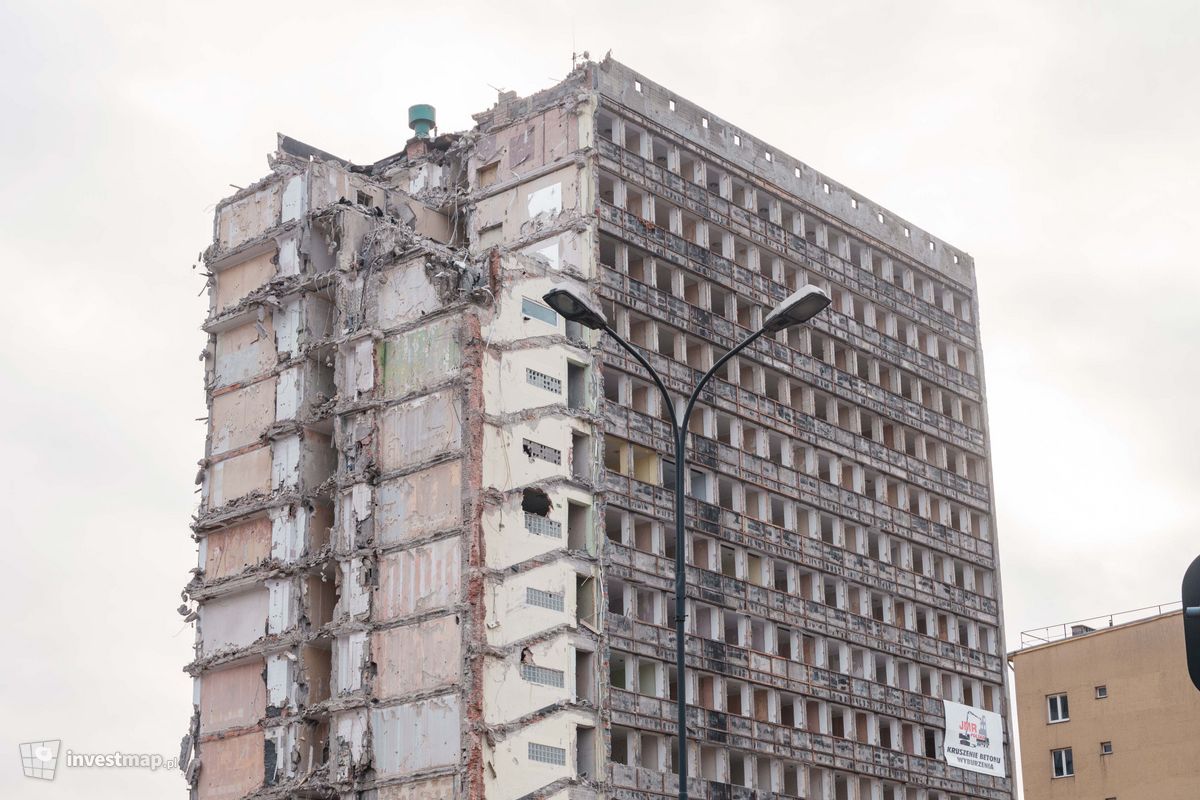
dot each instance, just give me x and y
(797, 309)
(572, 305)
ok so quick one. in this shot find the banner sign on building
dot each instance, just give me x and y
(974, 739)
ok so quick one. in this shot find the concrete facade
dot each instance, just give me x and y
(1126, 687)
(435, 551)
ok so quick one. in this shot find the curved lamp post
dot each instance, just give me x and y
(796, 309)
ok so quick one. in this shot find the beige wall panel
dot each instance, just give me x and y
(234, 697)
(419, 579)
(418, 657)
(231, 550)
(232, 768)
(238, 476)
(234, 283)
(242, 416)
(244, 352)
(420, 503)
(419, 430)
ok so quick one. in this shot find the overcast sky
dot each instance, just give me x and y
(1054, 141)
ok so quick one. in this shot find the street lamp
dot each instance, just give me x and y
(796, 309)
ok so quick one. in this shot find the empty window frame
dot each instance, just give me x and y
(622, 752)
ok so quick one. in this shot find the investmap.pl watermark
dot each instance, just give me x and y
(40, 760)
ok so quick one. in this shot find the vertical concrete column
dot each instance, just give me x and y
(645, 207)
(785, 399)
(779, 273)
(827, 350)
(851, 361)
(727, 245)
(680, 348)
(809, 401)
(676, 221)
(889, 324)
(622, 259)
(618, 131)
(725, 187)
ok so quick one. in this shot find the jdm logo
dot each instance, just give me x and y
(39, 759)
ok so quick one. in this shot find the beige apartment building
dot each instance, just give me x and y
(1109, 713)
(436, 551)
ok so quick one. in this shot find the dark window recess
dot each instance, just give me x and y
(581, 456)
(578, 526)
(269, 762)
(575, 332)
(576, 388)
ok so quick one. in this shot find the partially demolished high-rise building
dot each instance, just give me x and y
(436, 556)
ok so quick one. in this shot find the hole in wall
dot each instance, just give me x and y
(535, 501)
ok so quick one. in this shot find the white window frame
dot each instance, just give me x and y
(1102, 692)
(1064, 757)
(1106, 748)
(1057, 708)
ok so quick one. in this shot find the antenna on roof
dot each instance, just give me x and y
(575, 54)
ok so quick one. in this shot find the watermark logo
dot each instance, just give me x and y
(40, 759)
